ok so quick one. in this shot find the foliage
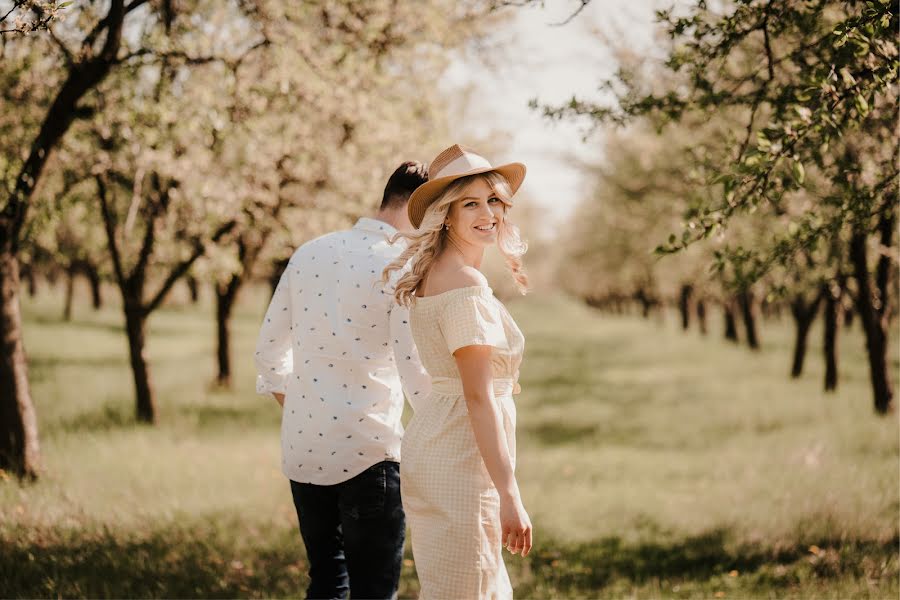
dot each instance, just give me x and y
(814, 84)
(27, 16)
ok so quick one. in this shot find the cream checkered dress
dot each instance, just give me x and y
(451, 504)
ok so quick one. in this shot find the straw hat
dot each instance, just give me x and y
(448, 166)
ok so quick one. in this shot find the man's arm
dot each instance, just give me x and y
(274, 356)
(415, 380)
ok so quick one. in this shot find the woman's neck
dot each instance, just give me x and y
(464, 254)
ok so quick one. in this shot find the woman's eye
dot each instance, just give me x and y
(492, 200)
(468, 204)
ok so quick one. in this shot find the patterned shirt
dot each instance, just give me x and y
(339, 348)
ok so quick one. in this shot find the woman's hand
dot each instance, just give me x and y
(515, 525)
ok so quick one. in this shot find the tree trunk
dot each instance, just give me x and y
(645, 301)
(51, 274)
(849, 313)
(804, 314)
(70, 291)
(767, 310)
(684, 305)
(29, 276)
(135, 323)
(832, 295)
(94, 279)
(701, 315)
(278, 267)
(19, 448)
(747, 303)
(872, 318)
(193, 288)
(225, 297)
(731, 333)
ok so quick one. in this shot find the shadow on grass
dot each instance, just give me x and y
(198, 417)
(218, 416)
(610, 566)
(103, 325)
(77, 324)
(165, 564)
(49, 363)
(103, 418)
(554, 434)
(220, 562)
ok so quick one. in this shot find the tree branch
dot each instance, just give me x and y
(109, 226)
(57, 121)
(155, 210)
(184, 266)
(187, 59)
(885, 229)
(15, 5)
(769, 59)
(39, 11)
(103, 23)
(568, 20)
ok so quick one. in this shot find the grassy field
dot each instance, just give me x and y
(654, 463)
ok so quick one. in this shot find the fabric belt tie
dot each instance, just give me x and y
(452, 386)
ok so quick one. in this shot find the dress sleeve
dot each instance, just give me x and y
(473, 320)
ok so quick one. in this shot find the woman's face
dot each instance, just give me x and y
(476, 217)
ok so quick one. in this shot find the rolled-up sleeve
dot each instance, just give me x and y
(274, 356)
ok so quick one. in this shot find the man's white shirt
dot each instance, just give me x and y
(339, 348)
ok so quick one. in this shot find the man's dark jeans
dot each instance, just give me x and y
(353, 533)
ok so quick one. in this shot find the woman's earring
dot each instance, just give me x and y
(447, 226)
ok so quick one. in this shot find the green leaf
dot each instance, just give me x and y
(799, 172)
(65, 4)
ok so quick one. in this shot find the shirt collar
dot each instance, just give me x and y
(375, 226)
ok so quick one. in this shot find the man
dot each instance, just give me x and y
(333, 349)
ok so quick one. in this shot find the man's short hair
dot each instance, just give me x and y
(402, 183)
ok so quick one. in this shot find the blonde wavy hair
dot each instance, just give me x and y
(430, 239)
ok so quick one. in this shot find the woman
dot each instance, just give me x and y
(458, 453)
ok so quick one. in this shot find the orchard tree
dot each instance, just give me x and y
(64, 229)
(59, 81)
(814, 82)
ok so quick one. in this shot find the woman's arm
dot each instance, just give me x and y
(474, 363)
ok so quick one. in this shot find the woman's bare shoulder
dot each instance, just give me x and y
(451, 279)
(465, 277)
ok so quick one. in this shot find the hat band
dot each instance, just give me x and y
(463, 164)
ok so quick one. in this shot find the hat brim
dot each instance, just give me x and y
(425, 194)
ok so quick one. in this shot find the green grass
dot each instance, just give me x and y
(654, 463)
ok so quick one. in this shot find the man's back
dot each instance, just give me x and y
(333, 342)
